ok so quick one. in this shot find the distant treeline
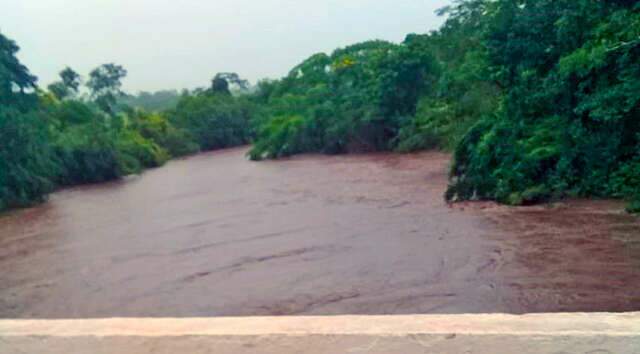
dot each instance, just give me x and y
(152, 101)
(537, 99)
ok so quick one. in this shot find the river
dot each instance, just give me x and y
(218, 235)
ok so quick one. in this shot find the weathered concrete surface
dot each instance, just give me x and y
(490, 334)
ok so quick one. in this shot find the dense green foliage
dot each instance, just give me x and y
(97, 140)
(25, 152)
(353, 100)
(463, 89)
(539, 99)
(568, 120)
(423, 93)
(214, 120)
(58, 138)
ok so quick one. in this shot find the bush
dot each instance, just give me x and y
(97, 148)
(281, 137)
(215, 121)
(86, 154)
(136, 153)
(26, 168)
(157, 128)
(625, 184)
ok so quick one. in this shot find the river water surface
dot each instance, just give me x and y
(217, 235)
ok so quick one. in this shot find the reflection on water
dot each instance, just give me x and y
(218, 235)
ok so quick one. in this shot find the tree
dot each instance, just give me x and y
(105, 83)
(68, 86)
(25, 153)
(222, 81)
(70, 78)
(15, 78)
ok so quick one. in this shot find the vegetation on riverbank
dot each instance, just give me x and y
(567, 123)
(67, 134)
(537, 99)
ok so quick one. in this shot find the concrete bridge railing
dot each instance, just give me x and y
(490, 334)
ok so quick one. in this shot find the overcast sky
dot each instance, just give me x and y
(183, 43)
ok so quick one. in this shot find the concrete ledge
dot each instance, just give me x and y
(539, 333)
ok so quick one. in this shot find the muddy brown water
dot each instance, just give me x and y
(217, 235)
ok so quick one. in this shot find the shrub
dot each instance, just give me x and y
(215, 121)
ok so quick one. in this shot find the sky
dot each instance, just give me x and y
(176, 44)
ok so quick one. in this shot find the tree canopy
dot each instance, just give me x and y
(25, 151)
(68, 85)
(105, 83)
